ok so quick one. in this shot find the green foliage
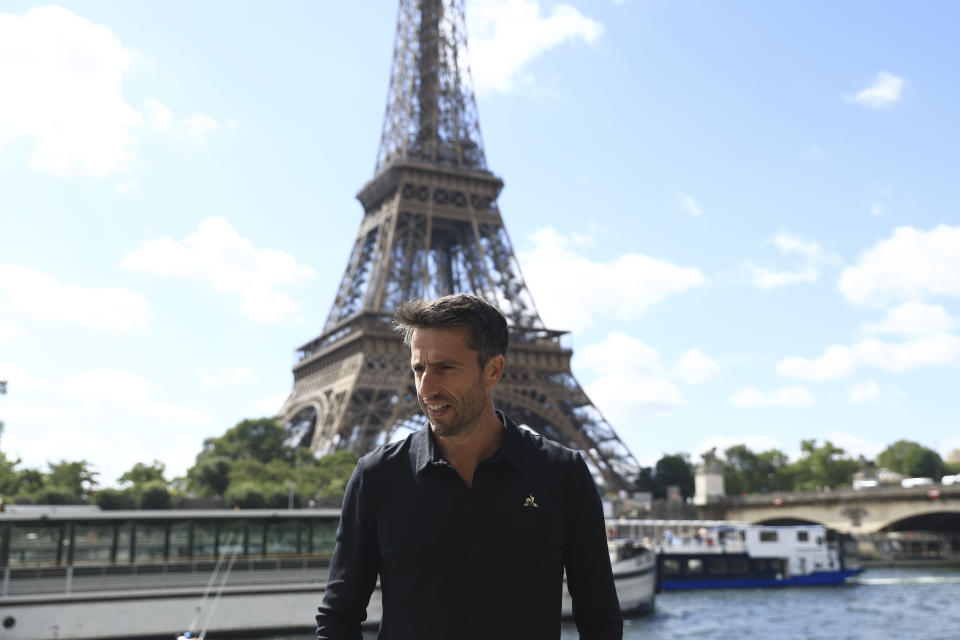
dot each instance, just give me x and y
(141, 473)
(821, 467)
(333, 473)
(210, 476)
(9, 476)
(53, 494)
(245, 495)
(675, 470)
(260, 439)
(76, 477)
(912, 460)
(111, 499)
(154, 494)
(747, 472)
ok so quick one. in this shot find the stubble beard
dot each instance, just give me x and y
(465, 409)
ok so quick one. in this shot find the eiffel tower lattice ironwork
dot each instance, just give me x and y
(431, 226)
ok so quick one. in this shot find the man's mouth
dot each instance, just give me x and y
(434, 407)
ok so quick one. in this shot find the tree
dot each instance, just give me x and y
(76, 477)
(141, 473)
(9, 476)
(747, 472)
(154, 494)
(53, 494)
(673, 470)
(821, 467)
(111, 499)
(210, 476)
(261, 439)
(912, 460)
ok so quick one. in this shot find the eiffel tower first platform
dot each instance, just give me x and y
(430, 227)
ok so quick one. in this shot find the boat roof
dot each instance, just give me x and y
(58, 513)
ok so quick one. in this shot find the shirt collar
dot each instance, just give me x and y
(426, 451)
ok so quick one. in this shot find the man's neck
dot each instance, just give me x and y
(465, 452)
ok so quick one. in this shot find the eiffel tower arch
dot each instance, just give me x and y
(431, 226)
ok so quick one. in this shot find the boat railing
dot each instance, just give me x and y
(20, 581)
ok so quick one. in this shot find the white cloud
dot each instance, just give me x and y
(128, 186)
(9, 330)
(694, 367)
(884, 91)
(688, 204)
(913, 318)
(837, 362)
(935, 349)
(190, 132)
(44, 297)
(122, 391)
(854, 445)
(623, 288)
(19, 378)
(624, 396)
(62, 79)
(227, 375)
(218, 255)
(620, 352)
(912, 264)
(939, 349)
(809, 260)
(270, 405)
(864, 392)
(506, 35)
(18, 412)
(791, 397)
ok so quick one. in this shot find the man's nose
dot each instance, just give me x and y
(428, 384)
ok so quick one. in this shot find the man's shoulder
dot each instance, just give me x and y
(544, 450)
(390, 456)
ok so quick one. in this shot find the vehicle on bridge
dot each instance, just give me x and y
(699, 554)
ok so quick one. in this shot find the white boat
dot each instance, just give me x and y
(84, 574)
(700, 554)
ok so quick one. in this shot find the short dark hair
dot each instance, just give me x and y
(486, 326)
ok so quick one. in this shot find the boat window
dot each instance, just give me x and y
(716, 565)
(694, 566)
(768, 536)
(671, 566)
(760, 564)
(123, 542)
(256, 538)
(232, 538)
(323, 534)
(149, 539)
(739, 565)
(802, 536)
(92, 542)
(179, 540)
(35, 544)
(282, 538)
(204, 539)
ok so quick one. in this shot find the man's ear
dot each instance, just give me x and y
(493, 370)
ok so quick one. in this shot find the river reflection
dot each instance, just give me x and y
(901, 604)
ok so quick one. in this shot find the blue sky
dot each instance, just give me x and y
(745, 212)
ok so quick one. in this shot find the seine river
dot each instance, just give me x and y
(901, 604)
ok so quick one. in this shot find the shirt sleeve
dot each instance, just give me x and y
(586, 558)
(354, 566)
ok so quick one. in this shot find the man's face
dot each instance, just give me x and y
(452, 389)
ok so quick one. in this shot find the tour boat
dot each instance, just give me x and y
(702, 554)
(81, 573)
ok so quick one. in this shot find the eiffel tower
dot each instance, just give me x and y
(431, 226)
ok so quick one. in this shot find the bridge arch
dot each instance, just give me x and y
(787, 521)
(946, 520)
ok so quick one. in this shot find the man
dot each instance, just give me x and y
(470, 522)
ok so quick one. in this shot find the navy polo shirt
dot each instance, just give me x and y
(485, 561)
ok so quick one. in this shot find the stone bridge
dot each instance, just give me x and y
(863, 512)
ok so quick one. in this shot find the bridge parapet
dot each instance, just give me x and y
(864, 511)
